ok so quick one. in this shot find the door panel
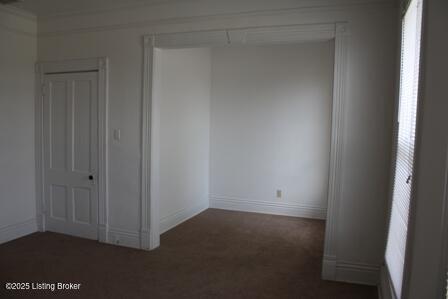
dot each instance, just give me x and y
(58, 116)
(82, 126)
(82, 202)
(71, 153)
(58, 202)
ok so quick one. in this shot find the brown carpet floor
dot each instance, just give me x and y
(217, 254)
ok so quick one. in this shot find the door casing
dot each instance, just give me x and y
(339, 32)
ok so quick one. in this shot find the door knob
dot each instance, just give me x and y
(91, 177)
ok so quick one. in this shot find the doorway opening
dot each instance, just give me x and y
(265, 138)
(244, 128)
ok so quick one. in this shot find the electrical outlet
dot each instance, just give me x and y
(279, 193)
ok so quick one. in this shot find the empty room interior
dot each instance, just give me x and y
(223, 149)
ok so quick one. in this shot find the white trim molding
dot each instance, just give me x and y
(191, 39)
(152, 5)
(172, 220)
(17, 230)
(385, 288)
(335, 185)
(149, 219)
(17, 21)
(360, 273)
(282, 34)
(123, 237)
(339, 32)
(101, 65)
(274, 208)
(443, 268)
(152, 22)
(18, 12)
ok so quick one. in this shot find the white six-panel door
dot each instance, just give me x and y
(70, 114)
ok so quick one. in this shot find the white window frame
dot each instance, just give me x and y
(387, 288)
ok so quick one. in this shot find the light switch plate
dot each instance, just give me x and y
(117, 134)
(279, 193)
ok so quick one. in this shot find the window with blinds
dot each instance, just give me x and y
(405, 144)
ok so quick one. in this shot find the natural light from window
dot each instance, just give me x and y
(407, 115)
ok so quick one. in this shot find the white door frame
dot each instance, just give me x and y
(443, 269)
(150, 236)
(100, 65)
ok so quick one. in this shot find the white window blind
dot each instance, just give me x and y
(407, 115)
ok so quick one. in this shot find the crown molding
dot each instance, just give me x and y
(145, 4)
(18, 12)
(362, 4)
(17, 21)
(115, 8)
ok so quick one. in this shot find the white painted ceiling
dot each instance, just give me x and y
(46, 8)
(43, 8)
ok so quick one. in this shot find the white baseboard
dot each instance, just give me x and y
(360, 273)
(170, 221)
(17, 230)
(329, 268)
(102, 233)
(140, 240)
(122, 237)
(385, 289)
(285, 209)
(352, 272)
(149, 240)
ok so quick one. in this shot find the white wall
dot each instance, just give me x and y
(183, 131)
(124, 49)
(271, 127)
(17, 172)
(368, 111)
